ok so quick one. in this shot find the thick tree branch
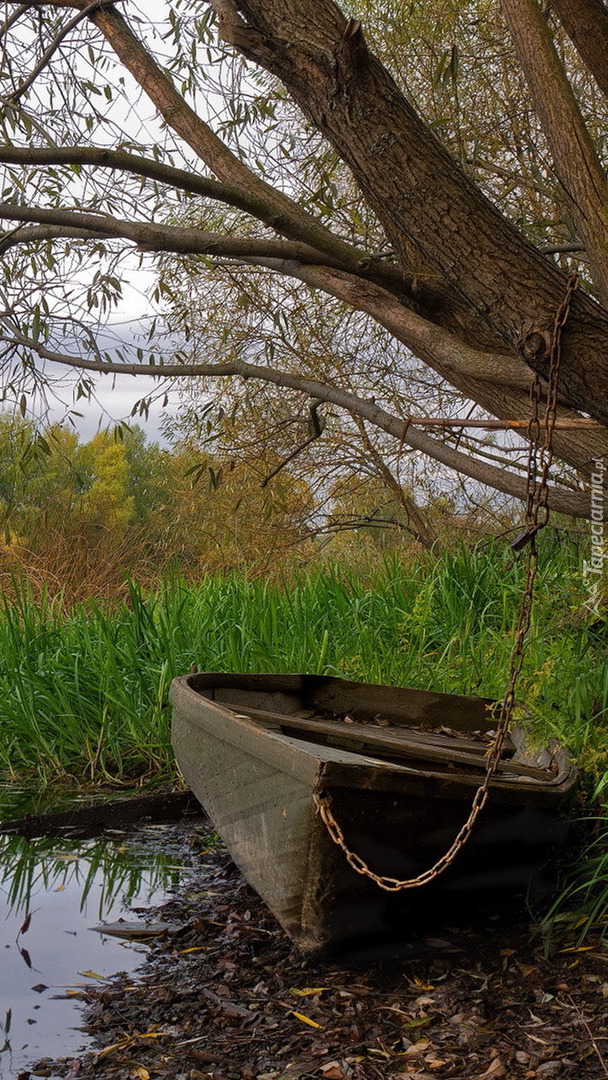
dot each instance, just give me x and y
(263, 209)
(574, 157)
(26, 234)
(165, 237)
(560, 499)
(500, 291)
(500, 383)
(586, 23)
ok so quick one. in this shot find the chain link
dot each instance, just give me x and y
(537, 516)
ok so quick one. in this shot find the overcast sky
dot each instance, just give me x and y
(116, 395)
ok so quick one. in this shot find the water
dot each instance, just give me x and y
(52, 891)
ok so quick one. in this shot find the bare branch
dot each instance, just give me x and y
(568, 424)
(417, 525)
(12, 19)
(562, 249)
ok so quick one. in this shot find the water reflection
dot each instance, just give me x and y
(115, 867)
(17, 799)
(51, 892)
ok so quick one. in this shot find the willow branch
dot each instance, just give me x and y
(170, 238)
(264, 209)
(560, 500)
(52, 49)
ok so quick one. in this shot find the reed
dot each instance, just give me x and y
(84, 690)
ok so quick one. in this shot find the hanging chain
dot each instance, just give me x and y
(537, 516)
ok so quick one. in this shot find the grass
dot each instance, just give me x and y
(83, 691)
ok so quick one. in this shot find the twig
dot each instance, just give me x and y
(592, 1039)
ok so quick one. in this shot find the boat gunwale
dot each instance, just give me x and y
(319, 755)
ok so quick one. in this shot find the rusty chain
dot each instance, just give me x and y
(537, 516)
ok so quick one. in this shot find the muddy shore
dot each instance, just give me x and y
(223, 995)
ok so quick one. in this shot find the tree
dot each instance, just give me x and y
(432, 259)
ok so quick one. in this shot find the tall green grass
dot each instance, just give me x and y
(84, 691)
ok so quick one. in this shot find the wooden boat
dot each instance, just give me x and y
(401, 768)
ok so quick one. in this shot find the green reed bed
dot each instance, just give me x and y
(84, 691)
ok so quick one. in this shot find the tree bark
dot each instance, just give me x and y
(576, 163)
(586, 24)
(498, 291)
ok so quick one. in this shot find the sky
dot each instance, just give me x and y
(116, 395)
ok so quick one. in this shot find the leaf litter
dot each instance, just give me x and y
(214, 1000)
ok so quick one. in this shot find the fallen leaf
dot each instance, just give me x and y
(26, 924)
(308, 991)
(417, 1049)
(333, 1071)
(91, 975)
(495, 1071)
(306, 1019)
(120, 1045)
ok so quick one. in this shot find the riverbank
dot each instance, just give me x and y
(223, 995)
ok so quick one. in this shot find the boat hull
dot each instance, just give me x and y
(258, 783)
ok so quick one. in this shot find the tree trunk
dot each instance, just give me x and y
(497, 290)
